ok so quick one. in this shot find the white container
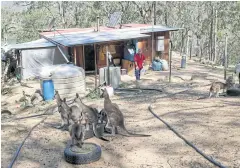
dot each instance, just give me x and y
(115, 76)
(109, 90)
(68, 80)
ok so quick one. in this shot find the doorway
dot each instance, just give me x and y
(89, 57)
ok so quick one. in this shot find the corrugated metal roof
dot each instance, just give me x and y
(76, 38)
(41, 43)
(96, 37)
(91, 29)
(130, 31)
(158, 28)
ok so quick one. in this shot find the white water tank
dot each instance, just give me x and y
(115, 76)
(68, 80)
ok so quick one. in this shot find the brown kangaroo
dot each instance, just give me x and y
(115, 117)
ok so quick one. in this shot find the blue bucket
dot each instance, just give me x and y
(47, 89)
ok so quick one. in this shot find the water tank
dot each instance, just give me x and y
(68, 80)
(115, 76)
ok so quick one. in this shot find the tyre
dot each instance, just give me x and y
(89, 153)
(233, 92)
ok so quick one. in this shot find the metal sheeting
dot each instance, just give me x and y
(36, 61)
(94, 37)
(158, 29)
(97, 37)
(41, 43)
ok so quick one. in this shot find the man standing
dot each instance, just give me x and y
(139, 59)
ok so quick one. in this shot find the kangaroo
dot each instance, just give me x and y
(115, 117)
(216, 87)
(64, 110)
(91, 115)
(77, 133)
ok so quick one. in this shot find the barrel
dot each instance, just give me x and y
(183, 61)
(47, 89)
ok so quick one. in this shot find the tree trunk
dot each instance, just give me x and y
(215, 39)
(154, 13)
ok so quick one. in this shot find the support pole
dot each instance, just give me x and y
(95, 55)
(225, 58)
(75, 56)
(64, 56)
(108, 70)
(83, 58)
(170, 58)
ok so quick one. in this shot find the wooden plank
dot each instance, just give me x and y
(75, 55)
(83, 57)
(95, 55)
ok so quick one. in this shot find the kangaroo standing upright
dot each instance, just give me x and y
(92, 116)
(63, 110)
(77, 130)
(115, 117)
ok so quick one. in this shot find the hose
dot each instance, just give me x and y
(20, 147)
(137, 89)
(186, 141)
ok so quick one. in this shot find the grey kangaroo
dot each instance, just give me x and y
(217, 86)
(92, 116)
(115, 117)
(77, 131)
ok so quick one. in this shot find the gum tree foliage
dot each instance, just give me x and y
(195, 17)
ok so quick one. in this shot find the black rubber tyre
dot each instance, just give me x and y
(233, 92)
(89, 153)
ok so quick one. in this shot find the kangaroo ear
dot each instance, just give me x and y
(77, 95)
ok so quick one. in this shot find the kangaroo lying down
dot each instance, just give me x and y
(115, 117)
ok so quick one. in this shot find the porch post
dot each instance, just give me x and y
(95, 55)
(83, 57)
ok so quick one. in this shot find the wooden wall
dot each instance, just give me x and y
(78, 56)
(146, 46)
(117, 50)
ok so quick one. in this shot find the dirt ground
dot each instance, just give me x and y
(212, 125)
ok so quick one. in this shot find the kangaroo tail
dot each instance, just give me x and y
(132, 134)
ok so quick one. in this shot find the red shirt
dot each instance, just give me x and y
(139, 59)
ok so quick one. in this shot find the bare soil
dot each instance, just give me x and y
(212, 125)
